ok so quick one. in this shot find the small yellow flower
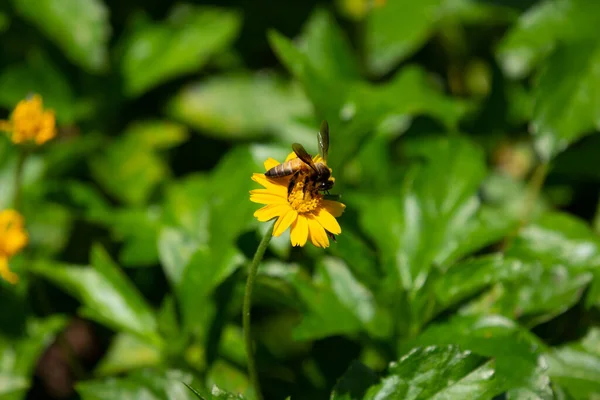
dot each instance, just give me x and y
(13, 239)
(307, 212)
(29, 122)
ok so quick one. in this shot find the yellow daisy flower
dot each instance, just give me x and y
(13, 239)
(309, 214)
(29, 122)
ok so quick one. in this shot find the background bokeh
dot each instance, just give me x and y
(464, 144)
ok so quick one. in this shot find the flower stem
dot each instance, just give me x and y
(18, 182)
(252, 271)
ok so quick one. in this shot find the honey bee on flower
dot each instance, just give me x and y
(293, 193)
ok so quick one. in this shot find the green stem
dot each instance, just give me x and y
(18, 182)
(252, 272)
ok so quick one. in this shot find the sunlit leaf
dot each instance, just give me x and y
(396, 29)
(130, 168)
(517, 352)
(182, 44)
(444, 372)
(541, 28)
(244, 106)
(566, 96)
(576, 366)
(145, 384)
(106, 295)
(425, 222)
(127, 352)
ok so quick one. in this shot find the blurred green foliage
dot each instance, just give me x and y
(464, 144)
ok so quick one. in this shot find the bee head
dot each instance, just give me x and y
(324, 179)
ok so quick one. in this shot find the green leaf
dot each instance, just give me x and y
(336, 303)
(324, 44)
(147, 384)
(354, 383)
(517, 352)
(107, 296)
(565, 98)
(327, 311)
(18, 356)
(127, 352)
(353, 109)
(79, 27)
(541, 28)
(558, 238)
(130, 168)
(425, 223)
(397, 29)
(159, 52)
(244, 106)
(466, 278)
(437, 372)
(576, 366)
(38, 74)
(204, 217)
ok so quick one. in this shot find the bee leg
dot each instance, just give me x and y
(305, 187)
(292, 183)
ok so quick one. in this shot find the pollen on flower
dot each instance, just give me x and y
(303, 199)
(13, 239)
(29, 122)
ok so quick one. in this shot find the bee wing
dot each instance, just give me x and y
(303, 155)
(323, 138)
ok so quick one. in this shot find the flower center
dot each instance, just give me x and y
(304, 196)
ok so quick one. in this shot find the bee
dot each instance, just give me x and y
(315, 173)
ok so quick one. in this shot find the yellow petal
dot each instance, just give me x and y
(279, 188)
(299, 231)
(270, 211)
(328, 222)
(316, 233)
(335, 208)
(291, 156)
(270, 163)
(285, 221)
(263, 196)
(6, 273)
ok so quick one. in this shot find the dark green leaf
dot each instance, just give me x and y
(79, 27)
(354, 383)
(159, 52)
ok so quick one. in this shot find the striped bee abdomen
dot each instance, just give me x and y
(285, 169)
